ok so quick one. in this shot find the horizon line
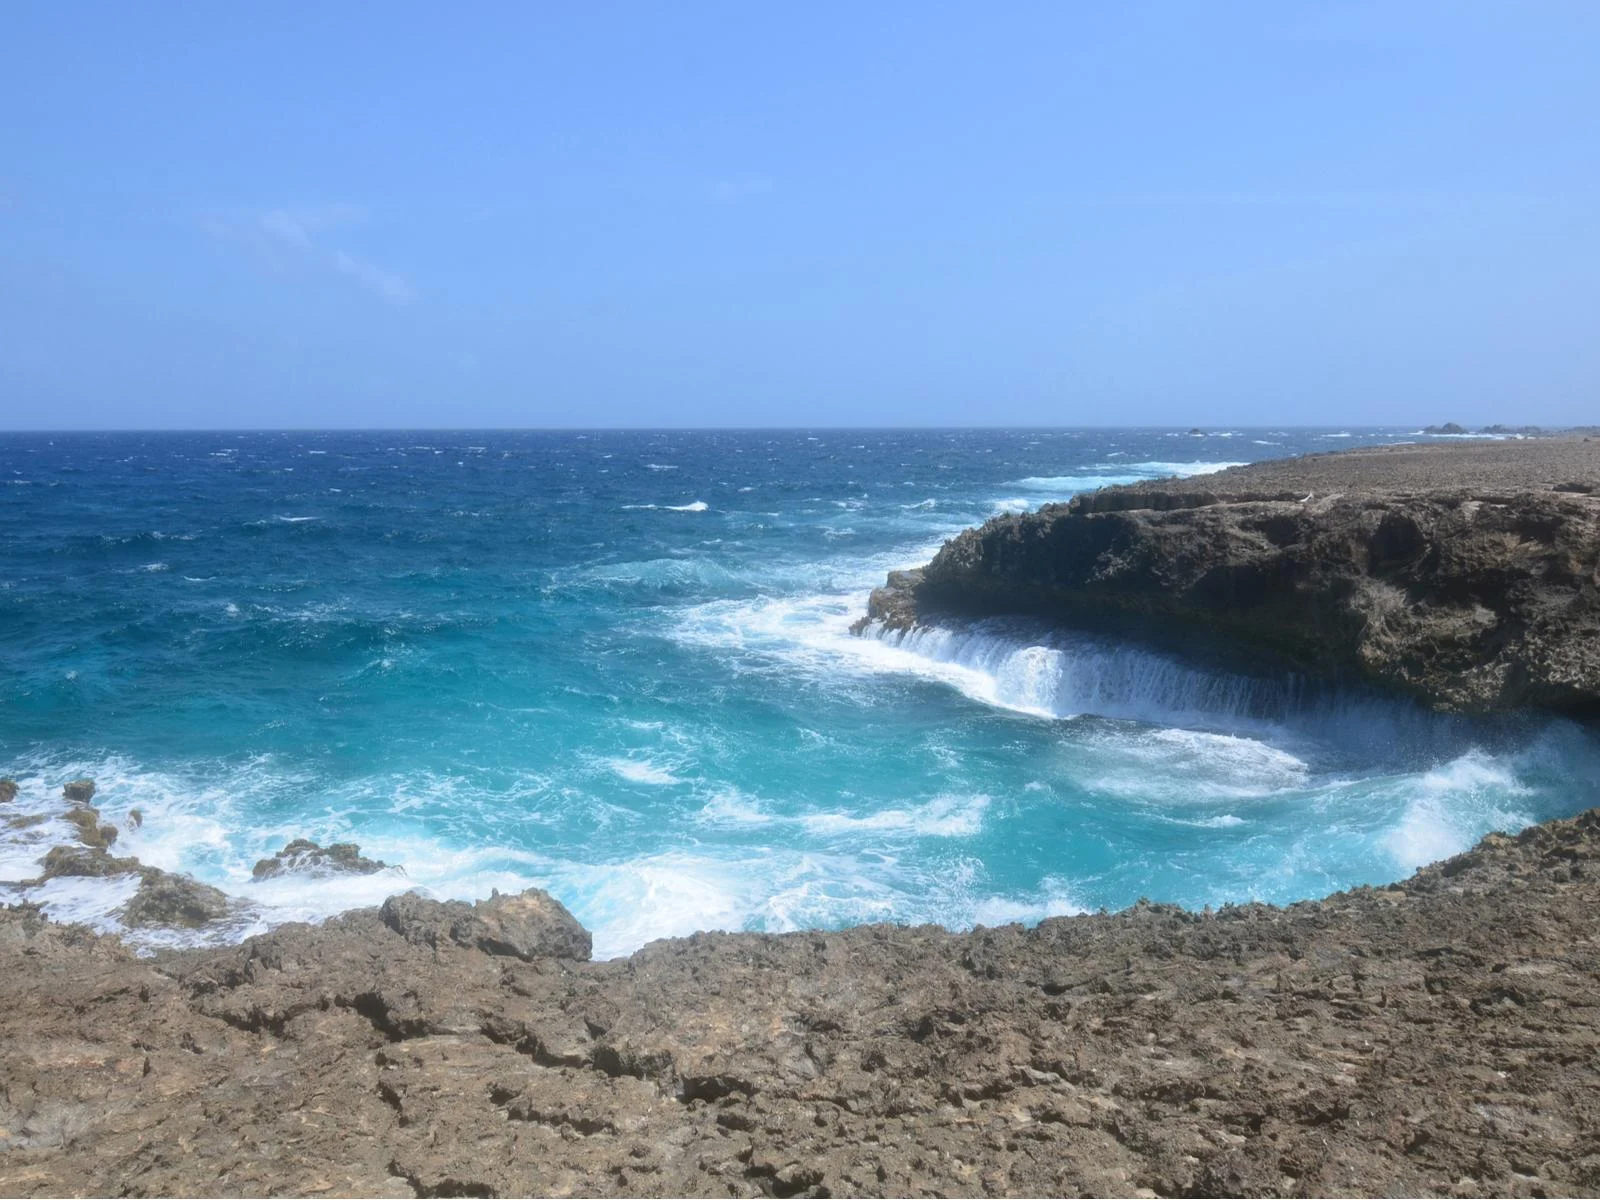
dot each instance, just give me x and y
(1213, 430)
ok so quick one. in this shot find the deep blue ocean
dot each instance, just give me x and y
(617, 665)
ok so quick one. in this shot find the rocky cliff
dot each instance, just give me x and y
(1466, 575)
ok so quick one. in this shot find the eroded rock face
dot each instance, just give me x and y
(306, 856)
(1470, 600)
(529, 925)
(1434, 1037)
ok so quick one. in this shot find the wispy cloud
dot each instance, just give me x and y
(295, 238)
(387, 284)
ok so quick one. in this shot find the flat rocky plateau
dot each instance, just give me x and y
(1438, 1036)
(1466, 576)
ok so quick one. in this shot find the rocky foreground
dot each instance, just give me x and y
(1435, 1037)
(1466, 575)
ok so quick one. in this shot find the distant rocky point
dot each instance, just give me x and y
(1451, 429)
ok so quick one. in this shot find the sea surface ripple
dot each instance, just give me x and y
(617, 665)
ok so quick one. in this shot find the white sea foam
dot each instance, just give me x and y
(1058, 675)
(943, 816)
(693, 506)
(1056, 899)
(636, 770)
(1451, 806)
(1183, 470)
(1072, 483)
(1182, 767)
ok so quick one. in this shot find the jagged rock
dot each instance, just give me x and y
(304, 855)
(85, 860)
(79, 791)
(174, 901)
(529, 925)
(135, 818)
(91, 830)
(8, 790)
(1450, 573)
(1449, 427)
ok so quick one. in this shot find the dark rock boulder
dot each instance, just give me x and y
(78, 791)
(172, 901)
(532, 924)
(85, 861)
(306, 856)
(8, 790)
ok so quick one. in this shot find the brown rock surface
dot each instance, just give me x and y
(1436, 1037)
(304, 855)
(1467, 576)
(78, 791)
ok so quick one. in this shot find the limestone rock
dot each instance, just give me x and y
(85, 861)
(174, 901)
(529, 925)
(1465, 576)
(92, 831)
(79, 791)
(306, 856)
(1433, 1037)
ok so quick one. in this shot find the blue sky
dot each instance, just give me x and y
(387, 214)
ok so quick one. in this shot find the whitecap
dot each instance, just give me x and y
(943, 816)
(1184, 470)
(641, 771)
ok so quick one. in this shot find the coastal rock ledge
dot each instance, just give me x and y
(1467, 576)
(1436, 1037)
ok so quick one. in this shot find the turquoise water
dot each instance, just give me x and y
(618, 665)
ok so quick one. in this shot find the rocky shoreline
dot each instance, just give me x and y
(1435, 1037)
(1466, 576)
